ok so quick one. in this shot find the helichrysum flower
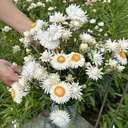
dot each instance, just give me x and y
(60, 117)
(120, 68)
(55, 31)
(101, 24)
(16, 48)
(57, 17)
(6, 29)
(83, 47)
(60, 61)
(46, 42)
(111, 46)
(121, 57)
(74, 12)
(66, 34)
(94, 72)
(123, 45)
(39, 72)
(28, 70)
(28, 59)
(46, 56)
(92, 21)
(76, 91)
(69, 78)
(16, 92)
(113, 63)
(76, 60)
(52, 79)
(96, 57)
(46, 85)
(87, 38)
(61, 92)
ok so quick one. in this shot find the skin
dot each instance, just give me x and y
(13, 17)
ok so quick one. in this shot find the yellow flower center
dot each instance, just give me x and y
(33, 25)
(50, 7)
(59, 91)
(123, 54)
(76, 57)
(13, 93)
(61, 59)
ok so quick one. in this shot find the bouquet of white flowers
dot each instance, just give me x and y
(70, 58)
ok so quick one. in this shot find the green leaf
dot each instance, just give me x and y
(126, 125)
(126, 99)
(71, 126)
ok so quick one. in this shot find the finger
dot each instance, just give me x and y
(6, 62)
(17, 69)
(8, 82)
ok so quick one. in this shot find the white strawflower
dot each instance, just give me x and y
(46, 85)
(76, 60)
(61, 92)
(39, 72)
(66, 34)
(100, 30)
(6, 29)
(33, 5)
(76, 90)
(120, 68)
(96, 57)
(123, 45)
(75, 24)
(76, 13)
(57, 17)
(16, 92)
(87, 38)
(52, 79)
(36, 27)
(16, 48)
(55, 31)
(113, 63)
(60, 61)
(113, 126)
(111, 46)
(50, 8)
(94, 72)
(45, 41)
(101, 24)
(69, 78)
(60, 118)
(28, 59)
(24, 85)
(121, 57)
(92, 21)
(83, 47)
(28, 70)
(46, 56)
(40, 4)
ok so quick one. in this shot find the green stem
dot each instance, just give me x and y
(102, 106)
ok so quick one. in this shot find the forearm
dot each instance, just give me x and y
(12, 16)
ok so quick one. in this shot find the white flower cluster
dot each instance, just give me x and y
(60, 73)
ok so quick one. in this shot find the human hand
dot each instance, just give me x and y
(9, 72)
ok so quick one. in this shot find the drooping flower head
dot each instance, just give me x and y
(16, 92)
